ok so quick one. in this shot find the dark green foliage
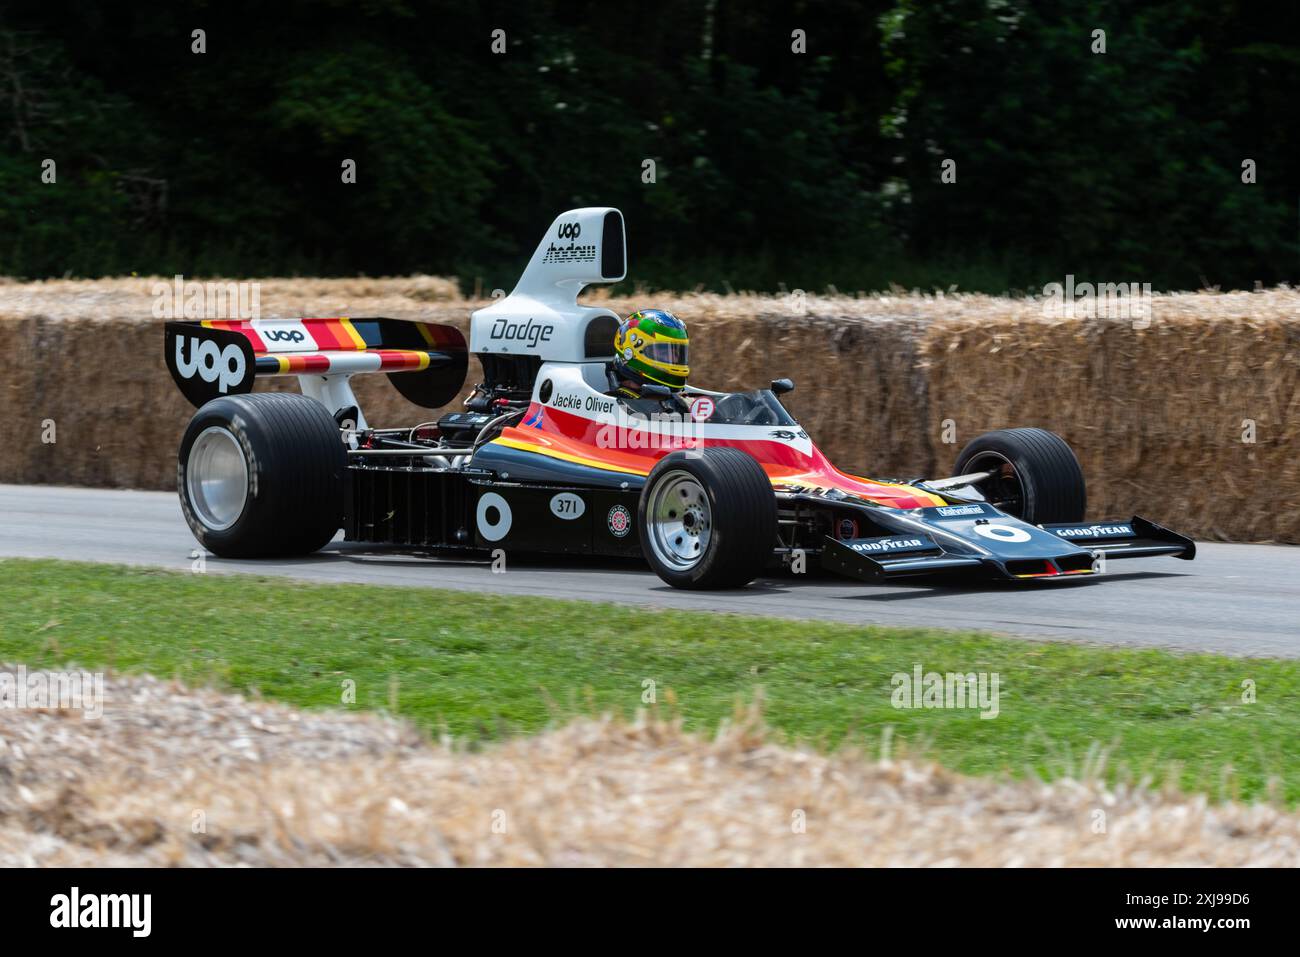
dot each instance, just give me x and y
(773, 169)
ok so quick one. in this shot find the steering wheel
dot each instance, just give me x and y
(734, 409)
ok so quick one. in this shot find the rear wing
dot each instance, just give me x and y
(426, 362)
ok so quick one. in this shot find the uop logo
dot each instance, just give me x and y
(212, 363)
(570, 230)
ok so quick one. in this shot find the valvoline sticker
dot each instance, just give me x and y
(961, 511)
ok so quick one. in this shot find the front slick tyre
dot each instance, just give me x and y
(707, 518)
(1035, 476)
(262, 475)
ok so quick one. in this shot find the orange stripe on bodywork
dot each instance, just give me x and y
(402, 359)
(242, 326)
(565, 456)
(910, 489)
(327, 335)
(350, 331)
(301, 363)
(586, 439)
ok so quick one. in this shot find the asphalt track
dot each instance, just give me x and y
(1233, 599)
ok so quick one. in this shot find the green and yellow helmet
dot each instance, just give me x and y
(651, 346)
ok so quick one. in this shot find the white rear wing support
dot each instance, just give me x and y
(541, 316)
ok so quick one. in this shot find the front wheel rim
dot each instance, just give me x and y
(1003, 489)
(216, 478)
(680, 520)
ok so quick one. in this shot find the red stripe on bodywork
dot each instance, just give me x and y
(398, 359)
(608, 443)
(244, 328)
(310, 363)
(326, 336)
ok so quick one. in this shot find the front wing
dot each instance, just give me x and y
(983, 541)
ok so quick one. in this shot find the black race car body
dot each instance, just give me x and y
(709, 488)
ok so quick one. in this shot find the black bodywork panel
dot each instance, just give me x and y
(429, 508)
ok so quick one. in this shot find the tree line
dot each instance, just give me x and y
(993, 145)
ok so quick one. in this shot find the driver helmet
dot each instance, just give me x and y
(650, 346)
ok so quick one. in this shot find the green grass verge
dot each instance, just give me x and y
(481, 666)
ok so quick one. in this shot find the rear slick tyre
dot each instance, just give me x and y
(262, 475)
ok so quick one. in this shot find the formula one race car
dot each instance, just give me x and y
(710, 488)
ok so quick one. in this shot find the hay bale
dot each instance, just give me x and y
(283, 787)
(118, 416)
(133, 295)
(23, 365)
(1157, 414)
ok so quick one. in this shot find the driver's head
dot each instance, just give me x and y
(650, 346)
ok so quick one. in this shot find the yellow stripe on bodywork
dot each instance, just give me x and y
(352, 333)
(605, 466)
(911, 489)
(1077, 571)
(565, 456)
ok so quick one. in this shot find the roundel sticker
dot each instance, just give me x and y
(1002, 533)
(702, 409)
(620, 521)
(493, 517)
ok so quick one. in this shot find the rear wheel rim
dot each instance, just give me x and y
(680, 519)
(216, 478)
(1003, 489)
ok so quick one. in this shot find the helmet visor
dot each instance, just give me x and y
(669, 353)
